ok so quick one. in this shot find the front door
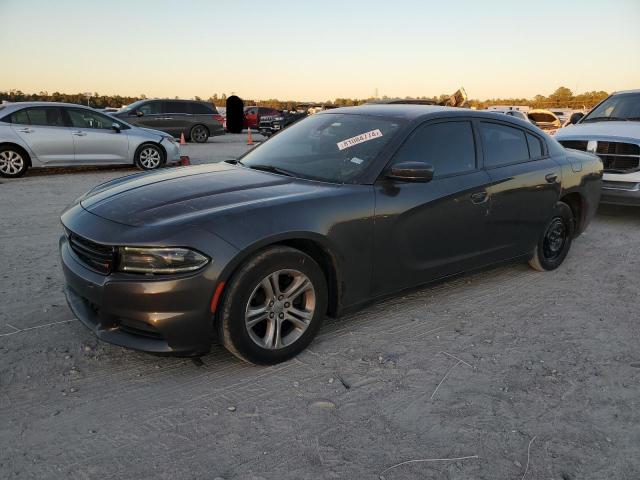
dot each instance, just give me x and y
(95, 141)
(44, 131)
(425, 231)
(147, 115)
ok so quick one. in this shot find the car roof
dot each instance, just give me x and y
(412, 112)
(626, 91)
(394, 110)
(17, 105)
(418, 113)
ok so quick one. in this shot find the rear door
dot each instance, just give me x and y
(95, 141)
(525, 185)
(251, 117)
(44, 130)
(176, 118)
(425, 231)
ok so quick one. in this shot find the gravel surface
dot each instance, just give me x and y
(505, 374)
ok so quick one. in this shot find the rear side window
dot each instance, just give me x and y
(535, 146)
(202, 109)
(503, 144)
(45, 116)
(20, 117)
(176, 107)
(448, 146)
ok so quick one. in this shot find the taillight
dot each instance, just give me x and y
(218, 118)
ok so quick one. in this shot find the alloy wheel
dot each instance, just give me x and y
(150, 158)
(11, 162)
(199, 134)
(280, 309)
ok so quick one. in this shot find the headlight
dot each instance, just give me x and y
(170, 139)
(160, 260)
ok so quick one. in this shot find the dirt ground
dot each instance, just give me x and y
(505, 374)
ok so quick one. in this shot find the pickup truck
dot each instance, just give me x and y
(611, 130)
(271, 124)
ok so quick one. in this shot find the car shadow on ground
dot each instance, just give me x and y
(620, 213)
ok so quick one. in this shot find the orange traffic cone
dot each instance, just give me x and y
(185, 160)
(249, 139)
(182, 140)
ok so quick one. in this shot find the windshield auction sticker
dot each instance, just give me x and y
(363, 137)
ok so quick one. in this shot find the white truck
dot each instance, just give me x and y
(611, 130)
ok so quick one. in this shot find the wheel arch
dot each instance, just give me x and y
(577, 205)
(19, 147)
(149, 142)
(199, 125)
(312, 244)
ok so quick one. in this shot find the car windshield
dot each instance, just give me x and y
(624, 106)
(331, 147)
(133, 106)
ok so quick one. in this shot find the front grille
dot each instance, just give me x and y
(575, 144)
(100, 258)
(617, 157)
(617, 148)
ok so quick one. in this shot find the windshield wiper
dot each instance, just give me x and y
(234, 162)
(272, 169)
(604, 119)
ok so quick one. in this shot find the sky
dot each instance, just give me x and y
(319, 50)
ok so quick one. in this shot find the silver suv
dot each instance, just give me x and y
(45, 134)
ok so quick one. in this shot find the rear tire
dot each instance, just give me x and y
(273, 306)
(149, 157)
(199, 134)
(14, 161)
(554, 243)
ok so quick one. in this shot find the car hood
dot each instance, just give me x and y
(190, 194)
(621, 130)
(152, 131)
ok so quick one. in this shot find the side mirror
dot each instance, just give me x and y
(139, 113)
(575, 117)
(411, 172)
(116, 127)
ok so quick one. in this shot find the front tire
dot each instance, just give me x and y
(199, 134)
(554, 244)
(149, 157)
(14, 162)
(273, 306)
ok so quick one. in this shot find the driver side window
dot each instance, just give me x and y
(81, 118)
(449, 147)
(151, 108)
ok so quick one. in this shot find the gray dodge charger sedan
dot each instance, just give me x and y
(335, 211)
(47, 134)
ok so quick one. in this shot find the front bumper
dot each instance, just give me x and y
(621, 188)
(167, 316)
(172, 149)
(629, 195)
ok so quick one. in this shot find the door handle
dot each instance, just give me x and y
(166, 118)
(551, 177)
(79, 134)
(479, 197)
(26, 130)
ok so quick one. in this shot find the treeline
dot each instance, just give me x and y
(562, 97)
